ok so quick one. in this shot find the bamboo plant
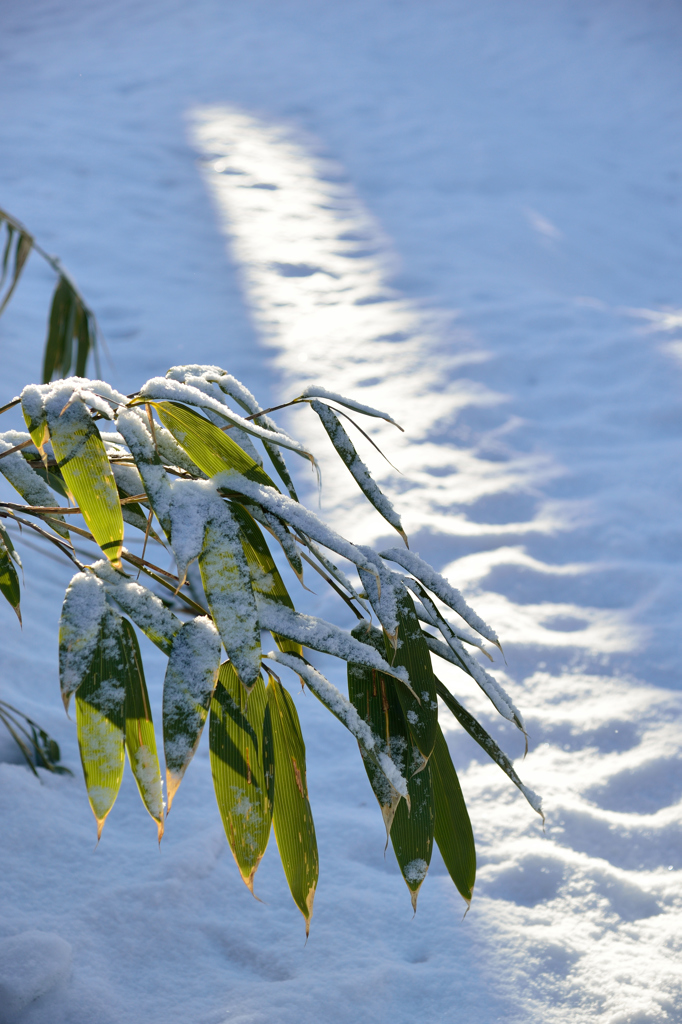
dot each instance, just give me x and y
(182, 462)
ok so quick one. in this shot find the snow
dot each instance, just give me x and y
(475, 225)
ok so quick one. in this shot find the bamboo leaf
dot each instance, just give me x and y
(453, 831)
(21, 254)
(331, 396)
(191, 676)
(9, 579)
(413, 829)
(485, 740)
(412, 653)
(227, 585)
(100, 718)
(140, 740)
(83, 462)
(322, 636)
(356, 467)
(80, 628)
(210, 448)
(144, 608)
(292, 816)
(374, 697)
(241, 763)
(439, 586)
(265, 576)
(62, 302)
(29, 480)
(371, 745)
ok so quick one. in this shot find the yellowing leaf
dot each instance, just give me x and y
(140, 740)
(292, 816)
(100, 717)
(83, 462)
(210, 448)
(241, 763)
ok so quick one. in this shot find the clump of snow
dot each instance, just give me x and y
(32, 963)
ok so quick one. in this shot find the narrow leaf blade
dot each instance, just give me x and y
(453, 831)
(241, 764)
(292, 816)
(140, 740)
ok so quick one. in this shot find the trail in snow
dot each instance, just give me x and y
(469, 216)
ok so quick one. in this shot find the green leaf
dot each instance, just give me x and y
(485, 740)
(208, 446)
(9, 580)
(227, 585)
(373, 694)
(21, 254)
(292, 816)
(265, 576)
(241, 763)
(62, 313)
(83, 462)
(412, 653)
(356, 467)
(140, 740)
(100, 717)
(191, 676)
(413, 829)
(453, 831)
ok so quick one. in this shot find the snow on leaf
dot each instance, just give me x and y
(331, 396)
(191, 675)
(439, 586)
(79, 630)
(229, 591)
(357, 468)
(145, 609)
(323, 636)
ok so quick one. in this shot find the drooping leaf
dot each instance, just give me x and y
(61, 324)
(227, 585)
(453, 831)
(241, 763)
(413, 828)
(265, 576)
(83, 462)
(80, 628)
(495, 693)
(9, 579)
(100, 718)
(314, 391)
(439, 586)
(485, 740)
(22, 251)
(292, 816)
(191, 676)
(140, 740)
(371, 745)
(356, 467)
(412, 653)
(373, 695)
(208, 446)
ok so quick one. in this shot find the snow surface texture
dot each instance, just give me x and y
(467, 215)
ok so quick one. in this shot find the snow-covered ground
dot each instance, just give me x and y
(468, 214)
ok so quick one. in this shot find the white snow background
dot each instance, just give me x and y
(468, 214)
